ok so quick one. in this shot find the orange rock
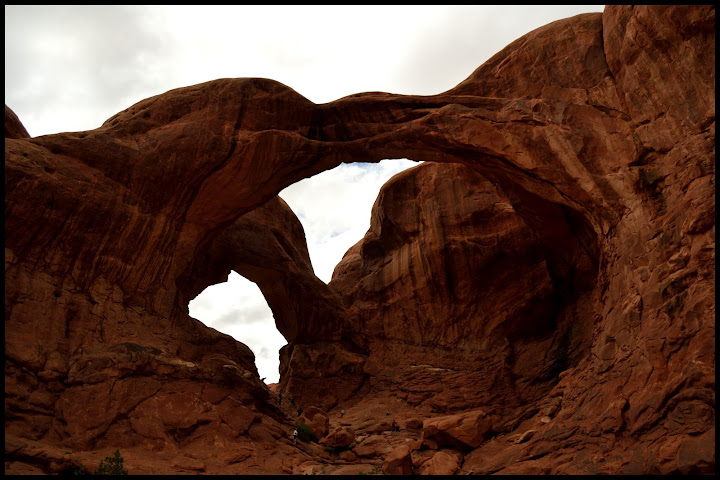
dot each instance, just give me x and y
(347, 455)
(13, 126)
(340, 437)
(414, 423)
(440, 464)
(466, 430)
(317, 420)
(374, 446)
(398, 462)
(566, 244)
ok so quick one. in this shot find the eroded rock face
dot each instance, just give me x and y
(466, 431)
(267, 246)
(460, 302)
(444, 243)
(398, 462)
(440, 464)
(595, 134)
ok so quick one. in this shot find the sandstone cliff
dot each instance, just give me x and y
(540, 299)
(454, 282)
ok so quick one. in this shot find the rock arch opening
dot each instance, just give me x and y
(480, 265)
(453, 262)
(270, 258)
(513, 143)
(239, 309)
(460, 264)
(334, 208)
(590, 147)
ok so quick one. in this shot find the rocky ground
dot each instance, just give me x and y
(538, 297)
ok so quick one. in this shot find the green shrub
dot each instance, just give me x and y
(306, 434)
(111, 465)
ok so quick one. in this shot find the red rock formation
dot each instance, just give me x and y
(398, 462)
(597, 132)
(267, 246)
(341, 437)
(440, 464)
(459, 302)
(13, 126)
(466, 431)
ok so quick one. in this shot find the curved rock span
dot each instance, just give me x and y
(537, 297)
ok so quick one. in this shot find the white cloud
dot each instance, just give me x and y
(334, 208)
(70, 68)
(238, 308)
(457, 39)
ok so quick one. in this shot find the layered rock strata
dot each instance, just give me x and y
(596, 131)
(457, 299)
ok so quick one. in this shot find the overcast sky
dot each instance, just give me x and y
(69, 68)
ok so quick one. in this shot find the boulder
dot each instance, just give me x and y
(339, 438)
(317, 419)
(398, 462)
(375, 446)
(441, 463)
(467, 430)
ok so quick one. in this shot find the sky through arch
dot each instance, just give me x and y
(334, 208)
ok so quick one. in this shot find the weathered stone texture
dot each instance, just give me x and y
(551, 265)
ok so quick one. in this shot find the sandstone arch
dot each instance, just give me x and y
(606, 119)
(267, 246)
